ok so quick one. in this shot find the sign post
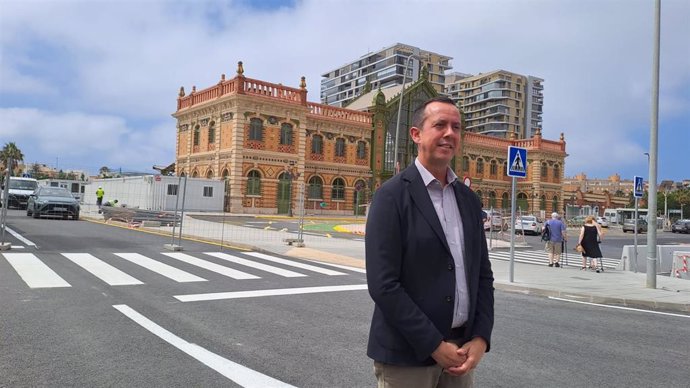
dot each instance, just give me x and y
(517, 158)
(638, 192)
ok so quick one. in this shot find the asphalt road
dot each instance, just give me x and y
(96, 334)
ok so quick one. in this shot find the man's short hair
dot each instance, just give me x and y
(418, 116)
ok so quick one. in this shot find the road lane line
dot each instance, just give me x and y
(168, 271)
(345, 267)
(273, 292)
(620, 307)
(295, 264)
(34, 272)
(229, 272)
(253, 264)
(240, 374)
(101, 269)
(19, 236)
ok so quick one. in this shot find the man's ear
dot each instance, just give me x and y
(414, 134)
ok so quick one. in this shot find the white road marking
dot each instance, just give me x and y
(34, 272)
(620, 307)
(240, 374)
(169, 272)
(101, 269)
(229, 272)
(19, 237)
(249, 263)
(274, 292)
(295, 264)
(345, 267)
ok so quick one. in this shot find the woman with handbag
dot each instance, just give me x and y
(588, 243)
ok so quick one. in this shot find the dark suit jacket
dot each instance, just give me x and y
(411, 272)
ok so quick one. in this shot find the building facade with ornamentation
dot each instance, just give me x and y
(273, 147)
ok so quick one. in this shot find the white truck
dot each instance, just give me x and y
(18, 192)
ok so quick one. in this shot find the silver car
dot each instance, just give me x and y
(528, 224)
(603, 222)
(53, 202)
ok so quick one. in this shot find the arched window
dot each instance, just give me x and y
(542, 203)
(492, 194)
(196, 135)
(465, 163)
(544, 170)
(195, 174)
(338, 190)
(522, 202)
(317, 144)
(209, 174)
(480, 166)
(286, 134)
(505, 168)
(480, 195)
(493, 168)
(315, 188)
(226, 173)
(556, 172)
(253, 183)
(340, 147)
(361, 150)
(505, 201)
(554, 204)
(256, 129)
(211, 133)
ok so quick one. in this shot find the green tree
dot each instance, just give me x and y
(10, 150)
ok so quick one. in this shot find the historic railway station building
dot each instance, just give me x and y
(273, 147)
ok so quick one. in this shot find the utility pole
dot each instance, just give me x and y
(653, 147)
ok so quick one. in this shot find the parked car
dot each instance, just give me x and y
(494, 222)
(681, 226)
(53, 202)
(603, 222)
(629, 225)
(528, 224)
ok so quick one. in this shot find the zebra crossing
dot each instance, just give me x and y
(37, 274)
(540, 257)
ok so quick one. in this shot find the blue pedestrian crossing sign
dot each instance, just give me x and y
(639, 187)
(517, 162)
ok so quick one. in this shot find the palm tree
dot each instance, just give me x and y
(10, 150)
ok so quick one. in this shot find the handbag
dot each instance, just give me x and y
(579, 248)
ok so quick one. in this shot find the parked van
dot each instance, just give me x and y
(19, 191)
(611, 215)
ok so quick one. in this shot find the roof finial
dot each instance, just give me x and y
(240, 69)
(193, 89)
(181, 94)
(562, 137)
(537, 132)
(303, 83)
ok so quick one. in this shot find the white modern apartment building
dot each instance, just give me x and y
(382, 69)
(498, 103)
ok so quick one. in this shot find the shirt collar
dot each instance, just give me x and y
(427, 177)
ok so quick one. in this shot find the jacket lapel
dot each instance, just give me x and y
(466, 216)
(420, 199)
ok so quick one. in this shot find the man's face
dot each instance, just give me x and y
(439, 137)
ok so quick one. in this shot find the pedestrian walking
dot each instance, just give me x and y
(590, 237)
(428, 268)
(557, 238)
(99, 196)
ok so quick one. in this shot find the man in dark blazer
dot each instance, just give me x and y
(428, 268)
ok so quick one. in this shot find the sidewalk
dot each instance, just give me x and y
(611, 287)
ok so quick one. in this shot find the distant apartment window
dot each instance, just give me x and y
(340, 147)
(208, 191)
(480, 166)
(172, 189)
(317, 144)
(254, 183)
(338, 191)
(256, 129)
(286, 134)
(196, 135)
(361, 150)
(211, 133)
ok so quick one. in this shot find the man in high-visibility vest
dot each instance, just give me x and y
(99, 196)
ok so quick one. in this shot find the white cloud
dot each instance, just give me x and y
(126, 60)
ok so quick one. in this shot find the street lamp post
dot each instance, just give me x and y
(397, 122)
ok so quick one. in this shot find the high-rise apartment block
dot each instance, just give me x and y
(384, 68)
(499, 102)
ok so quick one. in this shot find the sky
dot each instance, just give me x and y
(86, 84)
